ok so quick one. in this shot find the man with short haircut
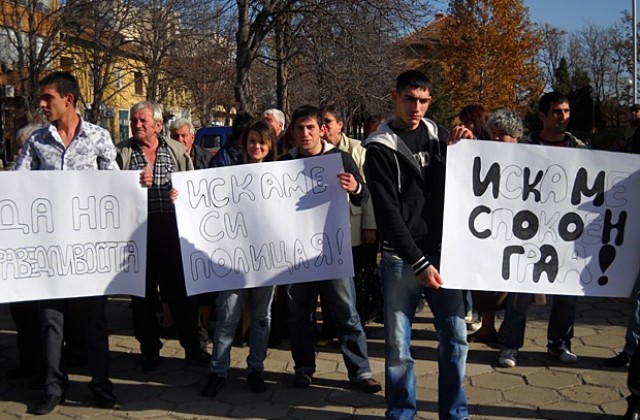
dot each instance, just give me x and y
(182, 130)
(147, 148)
(405, 170)
(554, 112)
(70, 144)
(308, 128)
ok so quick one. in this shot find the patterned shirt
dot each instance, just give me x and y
(159, 201)
(90, 149)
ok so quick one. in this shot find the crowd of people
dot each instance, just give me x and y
(397, 212)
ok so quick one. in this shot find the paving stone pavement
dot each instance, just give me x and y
(538, 388)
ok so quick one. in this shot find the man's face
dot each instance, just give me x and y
(333, 128)
(557, 119)
(52, 104)
(307, 134)
(276, 125)
(635, 115)
(184, 136)
(411, 105)
(143, 127)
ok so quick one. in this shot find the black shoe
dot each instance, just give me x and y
(303, 380)
(213, 386)
(201, 359)
(256, 382)
(47, 404)
(369, 385)
(150, 362)
(105, 398)
(633, 409)
(618, 361)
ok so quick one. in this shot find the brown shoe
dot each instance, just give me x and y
(369, 385)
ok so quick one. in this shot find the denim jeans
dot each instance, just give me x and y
(230, 304)
(341, 299)
(401, 294)
(559, 329)
(632, 336)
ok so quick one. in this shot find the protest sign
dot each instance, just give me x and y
(539, 219)
(71, 234)
(263, 224)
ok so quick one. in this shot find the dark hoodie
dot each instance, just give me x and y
(408, 198)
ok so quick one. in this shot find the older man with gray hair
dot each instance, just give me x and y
(277, 120)
(147, 148)
(183, 131)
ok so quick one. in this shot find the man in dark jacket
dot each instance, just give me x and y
(554, 111)
(182, 130)
(303, 297)
(405, 169)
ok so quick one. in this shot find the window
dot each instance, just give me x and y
(138, 83)
(123, 124)
(66, 63)
(117, 74)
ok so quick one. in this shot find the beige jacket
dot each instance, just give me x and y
(360, 217)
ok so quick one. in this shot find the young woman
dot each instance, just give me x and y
(258, 144)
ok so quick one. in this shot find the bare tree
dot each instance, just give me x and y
(552, 50)
(95, 32)
(309, 42)
(162, 29)
(29, 42)
(207, 73)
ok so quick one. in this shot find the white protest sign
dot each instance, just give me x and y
(71, 234)
(263, 224)
(541, 219)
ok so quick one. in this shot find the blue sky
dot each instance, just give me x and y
(571, 14)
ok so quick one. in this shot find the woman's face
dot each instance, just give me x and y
(257, 148)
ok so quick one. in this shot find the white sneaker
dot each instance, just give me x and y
(564, 355)
(508, 357)
(474, 326)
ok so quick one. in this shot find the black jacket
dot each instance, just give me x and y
(408, 205)
(201, 157)
(349, 165)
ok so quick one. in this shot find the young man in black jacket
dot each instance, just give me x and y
(308, 128)
(405, 169)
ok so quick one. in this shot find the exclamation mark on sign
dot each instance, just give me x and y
(606, 257)
(340, 241)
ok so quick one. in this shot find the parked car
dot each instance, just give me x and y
(213, 138)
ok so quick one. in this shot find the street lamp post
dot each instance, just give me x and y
(635, 52)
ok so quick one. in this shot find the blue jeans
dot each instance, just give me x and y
(559, 329)
(632, 336)
(401, 294)
(341, 300)
(230, 304)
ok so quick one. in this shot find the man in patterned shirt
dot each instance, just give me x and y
(147, 148)
(70, 143)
